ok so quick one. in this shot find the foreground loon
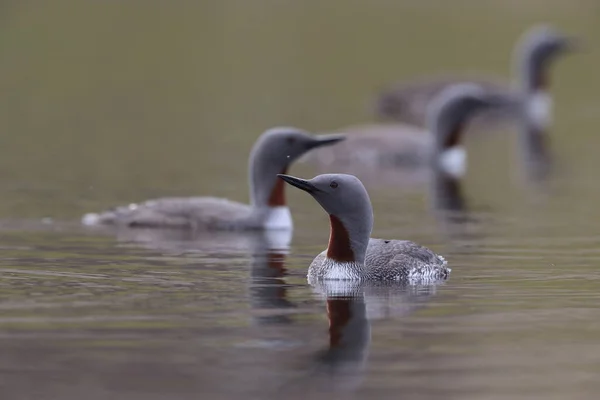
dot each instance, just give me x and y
(273, 153)
(533, 54)
(352, 254)
(401, 145)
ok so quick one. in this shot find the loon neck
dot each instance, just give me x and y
(451, 135)
(541, 81)
(267, 194)
(339, 248)
(277, 195)
(266, 190)
(450, 156)
(530, 67)
(534, 77)
(345, 246)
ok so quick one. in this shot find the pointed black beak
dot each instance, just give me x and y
(326, 140)
(299, 183)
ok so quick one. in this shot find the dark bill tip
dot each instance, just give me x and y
(299, 183)
(326, 140)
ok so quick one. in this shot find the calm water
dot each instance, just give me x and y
(106, 102)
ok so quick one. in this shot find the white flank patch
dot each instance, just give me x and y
(539, 109)
(279, 218)
(90, 219)
(453, 161)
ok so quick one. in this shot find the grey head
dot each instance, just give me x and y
(450, 111)
(273, 153)
(347, 202)
(535, 51)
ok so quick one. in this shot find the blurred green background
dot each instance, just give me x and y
(104, 102)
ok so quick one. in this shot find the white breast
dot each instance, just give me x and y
(90, 219)
(278, 218)
(453, 161)
(328, 269)
(539, 109)
(338, 273)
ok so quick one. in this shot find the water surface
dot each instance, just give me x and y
(107, 102)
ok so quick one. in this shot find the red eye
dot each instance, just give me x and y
(333, 184)
(291, 140)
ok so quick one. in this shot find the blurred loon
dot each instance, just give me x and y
(399, 145)
(533, 55)
(352, 254)
(274, 151)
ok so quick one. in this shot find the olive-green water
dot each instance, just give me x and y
(109, 102)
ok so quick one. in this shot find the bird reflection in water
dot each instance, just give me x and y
(539, 168)
(447, 194)
(269, 291)
(450, 208)
(267, 249)
(351, 307)
(342, 363)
